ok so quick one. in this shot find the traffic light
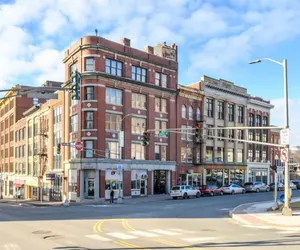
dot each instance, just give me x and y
(58, 148)
(75, 85)
(197, 130)
(146, 139)
(274, 167)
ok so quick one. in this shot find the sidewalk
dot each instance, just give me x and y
(256, 215)
(126, 200)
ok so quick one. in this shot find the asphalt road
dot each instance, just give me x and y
(171, 224)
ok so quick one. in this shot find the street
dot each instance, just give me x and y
(170, 224)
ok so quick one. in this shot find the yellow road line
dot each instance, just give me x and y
(127, 245)
(126, 225)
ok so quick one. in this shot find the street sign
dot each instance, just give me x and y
(79, 145)
(284, 136)
(121, 139)
(120, 167)
(163, 133)
(65, 144)
(284, 154)
(42, 96)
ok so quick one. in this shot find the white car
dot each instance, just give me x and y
(233, 189)
(293, 186)
(184, 192)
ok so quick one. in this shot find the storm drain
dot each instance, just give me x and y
(41, 232)
(53, 237)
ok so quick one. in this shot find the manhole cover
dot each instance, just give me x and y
(41, 232)
(208, 230)
(53, 237)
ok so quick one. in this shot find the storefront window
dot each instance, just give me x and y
(214, 177)
(230, 155)
(136, 184)
(209, 154)
(237, 176)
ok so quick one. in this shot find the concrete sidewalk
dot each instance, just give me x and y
(256, 215)
(126, 200)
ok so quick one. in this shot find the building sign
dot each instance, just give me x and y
(191, 96)
(50, 177)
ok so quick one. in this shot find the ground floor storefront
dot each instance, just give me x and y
(93, 179)
(258, 171)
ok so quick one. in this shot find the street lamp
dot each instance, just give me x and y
(287, 211)
(119, 200)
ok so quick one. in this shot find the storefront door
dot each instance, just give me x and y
(143, 187)
(91, 188)
(160, 181)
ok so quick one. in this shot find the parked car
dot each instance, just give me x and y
(293, 185)
(210, 190)
(297, 183)
(280, 186)
(184, 192)
(233, 189)
(256, 187)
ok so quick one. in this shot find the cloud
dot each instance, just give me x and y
(278, 114)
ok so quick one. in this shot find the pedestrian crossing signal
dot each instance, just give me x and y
(146, 139)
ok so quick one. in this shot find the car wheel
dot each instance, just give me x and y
(221, 193)
(198, 195)
(257, 190)
(211, 194)
(185, 196)
(232, 192)
(174, 198)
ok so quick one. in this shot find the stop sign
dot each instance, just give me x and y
(78, 145)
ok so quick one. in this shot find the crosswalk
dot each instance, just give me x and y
(184, 235)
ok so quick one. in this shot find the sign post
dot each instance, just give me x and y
(284, 136)
(120, 168)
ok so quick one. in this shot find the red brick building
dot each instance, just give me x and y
(125, 89)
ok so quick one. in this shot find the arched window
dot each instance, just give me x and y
(183, 111)
(191, 113)
(198, 114)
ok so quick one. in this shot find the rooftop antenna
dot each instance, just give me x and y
(96, 31)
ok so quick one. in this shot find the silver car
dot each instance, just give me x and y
(256, 186)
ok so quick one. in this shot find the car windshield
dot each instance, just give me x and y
(176, 188)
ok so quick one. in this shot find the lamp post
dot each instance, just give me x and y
(286, 211)
(119, 200)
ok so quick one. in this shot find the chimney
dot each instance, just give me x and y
(149, 49)
(125, 41)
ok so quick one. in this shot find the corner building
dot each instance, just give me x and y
(122, 89)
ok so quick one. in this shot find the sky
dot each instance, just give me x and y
(216, 38)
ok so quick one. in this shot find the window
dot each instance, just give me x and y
(220, 134)
(89, 93)
(250, 154)
(138, 101)
(160, 105)
(113, 96)
(183, 111)
(198, 114)
(209, 107)
(89, 149)
(250, 134)
(265, 121)
(160, 79)
(160, 126)
(186, 155)
(240, 114)
(257, 137)
(240, 155)
(220, 155)
(138, 74)
(251, 120)
(209, 132)
(264, 156)
(73, 152)
(190, 113)
(113, 67)
(265, 137)
(137, 151)
(231, 112)
(240, 134)
(258, 120)
(257, 155)
(186, 133)
(209, 154)
(161, 152)
(138, 125)
(89, 120)
(35, 101)
(89, 64)
(111, 150)
(221, 110)
(113, 122)
(74, 123)
(231, 134)
(73, 68)
(230, 155)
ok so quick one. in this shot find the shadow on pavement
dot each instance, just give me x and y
(265, 243)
